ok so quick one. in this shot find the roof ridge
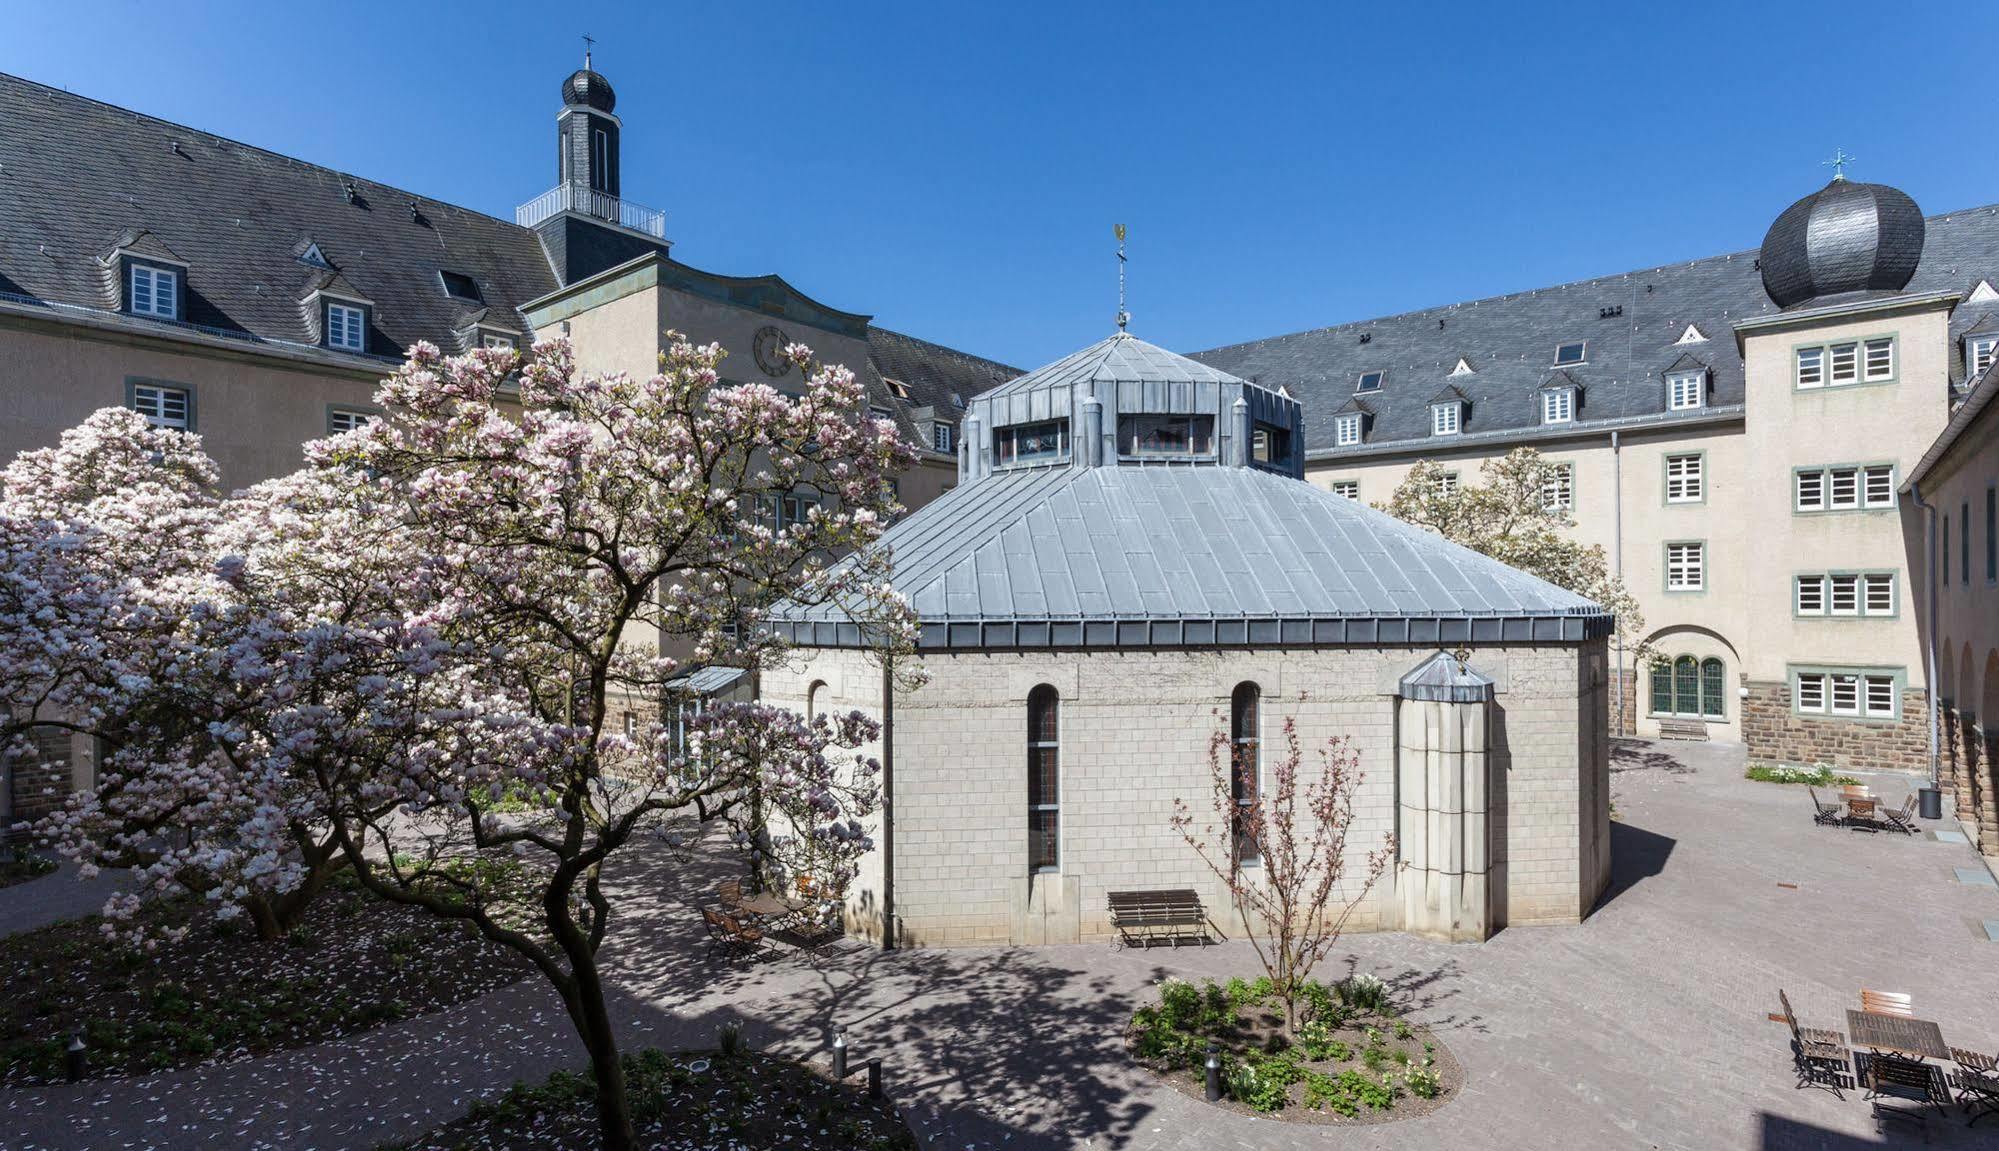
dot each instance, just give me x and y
(233, 142)
(1524, 293)
(946, 348)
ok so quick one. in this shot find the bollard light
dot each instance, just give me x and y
(1214, 1068)
(74, 1057)
(839, 1055)
(874, 1079)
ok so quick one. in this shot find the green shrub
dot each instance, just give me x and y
(1261, 1083)
(1315, 1039)
(1325, 1093)
(1180, 1005)
(1218, 1009)
(1423, 1082)
(1817, 775)
(1378, 1095)
(1323, 1004)
(1364, 993)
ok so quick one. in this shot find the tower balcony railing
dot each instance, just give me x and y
(589, 202)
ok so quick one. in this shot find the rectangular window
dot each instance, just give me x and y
(498, 340)
(340, 420)
(1558, 406)
(1348, 488)
(1156, 435)
(1446, 419)
(1811, 367)
(1686, 390)
(346, 327)
(1811, 595)
(1269, 444)
(600, 160)
(1845, 595)
(1446, 484)
(1811, 491)
(162, 405)
(1569, 353)
(1558, 489)
(778, 511)
(1845, 363)
(1878, 359)
(1880, 597)
(1346, 430)
(1031, 443)
(1845, 694)
(1811, 691)
(1043, 780)
(1368, 382)
(1878, 486)
(1844, 487)
(1686, 567)
(940, 437)
(1683, 479)
(1979, 354)
(1880, 699)
(154, 292)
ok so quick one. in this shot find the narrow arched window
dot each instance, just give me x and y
(1686, 686)
(1713, 683)
(815, 696)
(1245, 769)
(1044, 773)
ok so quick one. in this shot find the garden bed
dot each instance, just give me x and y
(1818, 775)
(694, 1099)
(1353, 1059)
(352, 962)
(24, 867)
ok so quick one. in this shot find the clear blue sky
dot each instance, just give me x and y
(956, 172)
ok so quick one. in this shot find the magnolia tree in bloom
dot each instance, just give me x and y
(414, 657)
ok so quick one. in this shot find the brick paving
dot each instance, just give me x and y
(1643, 1028)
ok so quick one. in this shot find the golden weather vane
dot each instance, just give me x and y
(1123, 317)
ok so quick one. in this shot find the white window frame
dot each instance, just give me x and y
(1877, 486)
(499, 340)
(1843, 593)
(1808, 692)
(1692, 480)
(1686, 391)
(154, 401)
(1686, 566)
(351, 418)
(943, 437)
(1582, 353)
(1877, 359)
(1842, 489)
(1447, 419)
(1558, 405)
(1877, 593)
(1843, 363)
(1883, 687)
(160, 283)
(1361, 384)
(1809, 598)
(346, 326)
(1346, 430)
(1348, 489)
(1446, 484)
(1979, 352)
(1808, 490)
(1847, 684)
(1558, 492)
(1810, 370)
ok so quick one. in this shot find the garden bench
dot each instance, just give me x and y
(1693, 729)
(1149, 917)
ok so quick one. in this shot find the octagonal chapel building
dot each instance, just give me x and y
(1131, 563)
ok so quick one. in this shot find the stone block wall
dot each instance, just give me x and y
(1134, 735)
(1772, 731)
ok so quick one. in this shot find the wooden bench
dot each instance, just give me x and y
(1148, 917)
(1693, 729)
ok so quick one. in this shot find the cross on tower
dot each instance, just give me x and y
(588, 42)
(1838, 163)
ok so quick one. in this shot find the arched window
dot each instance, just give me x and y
(1688, 686)
(814, 697)
(1245, 768)
(1043, 780)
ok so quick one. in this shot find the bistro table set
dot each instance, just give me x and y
(1859, 810)
(742, 921)
(1894, 1056)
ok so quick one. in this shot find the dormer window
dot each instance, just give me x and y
(1166, 436)
(1979, 352)
(1570, 353)
(489, 338)
(1031, 443)
(941, 437)
(1369, 382)
(1447, 419)
(1558, 405)
(460, 286)
(346, 326)
(151, 290)
(1346, 430)
(1686, 391)
(1269, 445)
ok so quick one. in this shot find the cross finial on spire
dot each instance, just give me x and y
(588, 42)
(1838, 163)
(1123, 317)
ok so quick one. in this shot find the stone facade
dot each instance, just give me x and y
(1777, 733)
(1134, 732)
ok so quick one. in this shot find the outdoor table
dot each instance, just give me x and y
(1917, 1038)
(772, 906)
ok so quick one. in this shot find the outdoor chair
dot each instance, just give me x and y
(1893, 1077)
(730, 933)
(1977, 1083)
(1825, 814)
(1819, 1056)
(1903, 818)
(1887, 1003)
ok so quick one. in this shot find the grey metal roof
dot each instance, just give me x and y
(1121, 358)
(1442, 679)
(1145, 555)
(706, 680)
(1509, 341)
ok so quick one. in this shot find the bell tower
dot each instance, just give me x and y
(587, 157)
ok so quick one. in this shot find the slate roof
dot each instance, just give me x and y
(1136, 555)
(936, 377)
(1510, 342)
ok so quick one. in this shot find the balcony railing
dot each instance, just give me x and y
(579, 198)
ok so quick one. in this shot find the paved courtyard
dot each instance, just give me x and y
(1644, 1027)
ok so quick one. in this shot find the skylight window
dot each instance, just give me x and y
(1570, 353)
(1369, 382)
(460, 286)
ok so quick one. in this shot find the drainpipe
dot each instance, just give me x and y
(1930, 641)
(1617, 560)
(888, 802)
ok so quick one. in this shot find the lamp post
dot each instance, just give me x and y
(1214, 1070)
(839, 1055)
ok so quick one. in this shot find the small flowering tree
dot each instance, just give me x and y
(1296, 899)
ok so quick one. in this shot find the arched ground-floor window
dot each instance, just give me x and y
(1686, 686)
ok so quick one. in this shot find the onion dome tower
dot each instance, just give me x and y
(588, 156)
(1844, 238)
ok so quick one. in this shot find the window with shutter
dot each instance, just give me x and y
(1684, 479)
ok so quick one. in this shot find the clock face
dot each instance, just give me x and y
(767, 346)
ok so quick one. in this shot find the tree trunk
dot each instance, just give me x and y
(593, 1023)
